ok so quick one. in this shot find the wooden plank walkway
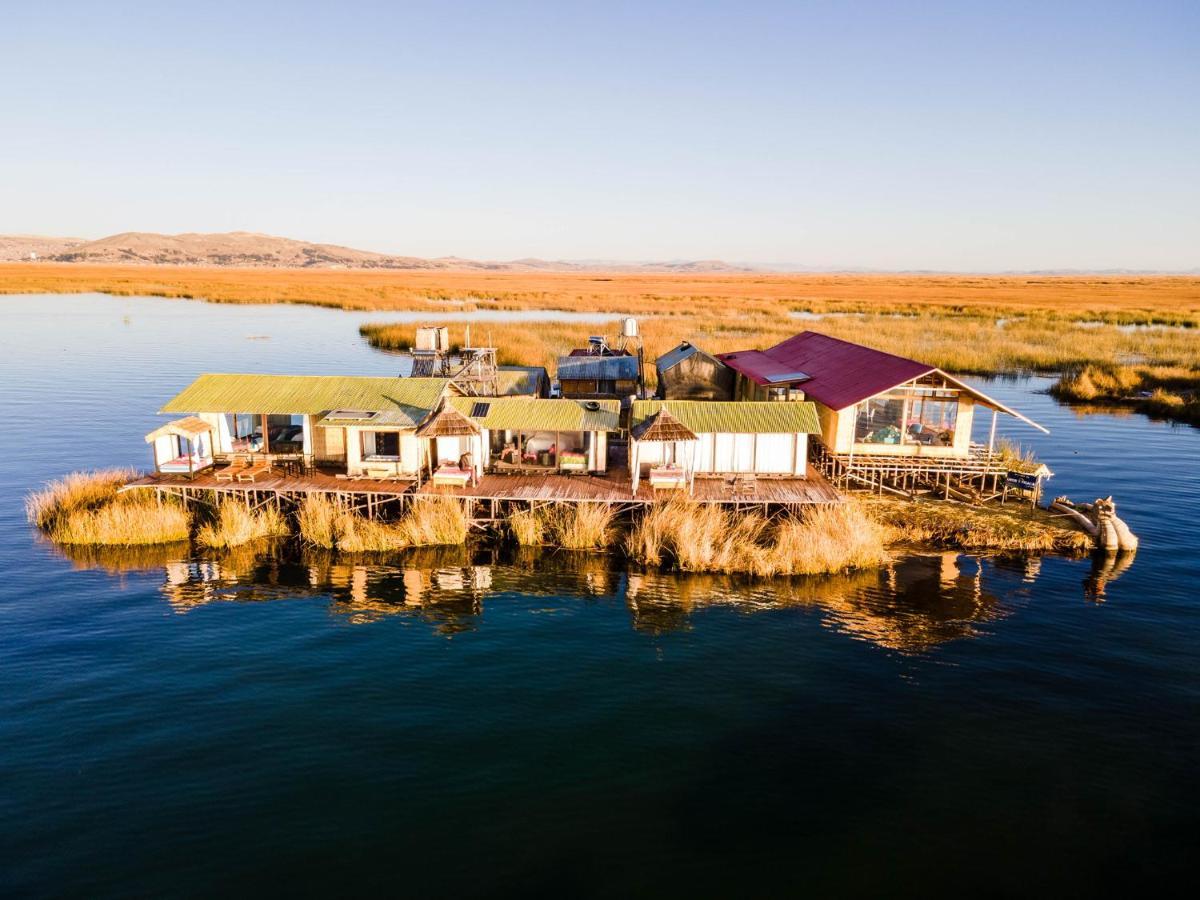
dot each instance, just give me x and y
(612, 487)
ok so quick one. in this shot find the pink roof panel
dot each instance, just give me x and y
(833, 372)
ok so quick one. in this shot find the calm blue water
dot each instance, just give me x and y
(465, 724)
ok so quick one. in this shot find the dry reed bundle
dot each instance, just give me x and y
(237, 524)
(87, 508)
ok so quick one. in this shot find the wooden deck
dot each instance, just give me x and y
(615, 487)
(323, 482)
(612, 487)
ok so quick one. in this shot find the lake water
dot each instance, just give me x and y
(475, 724)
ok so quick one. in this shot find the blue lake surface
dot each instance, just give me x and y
(481, 723)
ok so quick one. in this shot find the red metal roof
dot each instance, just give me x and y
(840, 373)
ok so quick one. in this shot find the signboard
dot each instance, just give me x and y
(1022, 480)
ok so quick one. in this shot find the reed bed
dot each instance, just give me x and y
(236, 524)
(698, 537)
(317, 521)
(435, 521)
(429, 522)
(75, 491)
(1010, 528)
(528, 527)
(1169, 391)
(572, 526)
(962, 343)
(86, 508)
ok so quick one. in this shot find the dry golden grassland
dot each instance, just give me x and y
(966, 324)
(1174, 299)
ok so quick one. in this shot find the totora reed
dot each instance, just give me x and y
(88, 508)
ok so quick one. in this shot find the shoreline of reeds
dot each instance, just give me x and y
(1165, 392)
(679, 533)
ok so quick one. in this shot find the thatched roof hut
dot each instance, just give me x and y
(447, 422)
(662, 426)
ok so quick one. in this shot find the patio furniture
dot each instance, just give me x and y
(228, 473)
(573, 462)
(668, 478)
(252, 472)
(452, 476)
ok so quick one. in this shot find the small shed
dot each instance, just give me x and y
(598, 377)
(686, 372)
(522, 381)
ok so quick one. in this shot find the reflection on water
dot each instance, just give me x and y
(918, 602)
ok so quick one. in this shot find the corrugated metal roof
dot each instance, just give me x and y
(397, 401)
(734, 416)
(676, 355)
(606, 368)
(536, 414)
(840, 373)
(520, 380)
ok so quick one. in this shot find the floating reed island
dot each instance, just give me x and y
(743, 461)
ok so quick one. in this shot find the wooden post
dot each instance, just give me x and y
(992, 434)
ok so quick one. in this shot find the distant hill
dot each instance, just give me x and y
(244, 248)
(28, 246)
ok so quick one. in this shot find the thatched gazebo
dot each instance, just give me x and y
(664, 428)
(447, 422)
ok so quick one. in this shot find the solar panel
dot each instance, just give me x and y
(352, 414)
(786, 376)
(479, 410)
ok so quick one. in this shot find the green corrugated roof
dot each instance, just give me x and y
(520, 380)
(536, 414)
(398, 401)
(735, 416)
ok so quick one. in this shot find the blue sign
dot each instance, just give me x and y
(1022, 480)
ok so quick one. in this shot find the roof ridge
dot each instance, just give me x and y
(830, 337)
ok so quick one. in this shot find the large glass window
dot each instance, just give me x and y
(285, 434)
(880, 421)
(932, 419)
(920, 415)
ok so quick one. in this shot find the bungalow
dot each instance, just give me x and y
(868, 401)
(685, 372)
(363, 424)
(468, 436)
(672, 441)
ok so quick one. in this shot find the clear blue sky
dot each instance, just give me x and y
(968, 136)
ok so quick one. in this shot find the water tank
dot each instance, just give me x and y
(629, 327)
(433, 337)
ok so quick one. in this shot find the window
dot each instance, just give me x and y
(380, 443)
(285, 434)
(932, 419)
(880, 421)
(920, 415)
